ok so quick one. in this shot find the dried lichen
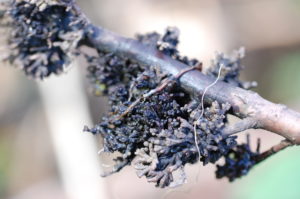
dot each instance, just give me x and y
(44, 35)
(231, 68)
(157, 136)
(238, 161)
(161, 133)
(167, 44)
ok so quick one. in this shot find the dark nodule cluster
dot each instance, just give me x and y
(238, 162)
(107, 70)
(167, 44)
(231, 68)
(44, 35)
(157, 136)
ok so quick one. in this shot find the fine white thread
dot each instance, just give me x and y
(101, 151)
(202, 109)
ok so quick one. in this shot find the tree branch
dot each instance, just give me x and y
(245, 104)
(242, 125)
(279, 147)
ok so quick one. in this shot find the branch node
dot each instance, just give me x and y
(242, 125)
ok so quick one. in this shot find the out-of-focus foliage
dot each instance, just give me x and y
(286, 78)
(5, 156)
(276, 178)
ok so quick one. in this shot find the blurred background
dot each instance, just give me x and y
(44, 154)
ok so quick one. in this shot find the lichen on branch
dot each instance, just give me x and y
(157, 121)
(156, 135)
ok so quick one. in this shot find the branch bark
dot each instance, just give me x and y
(264, 114)
(242, 125)
(279, 147)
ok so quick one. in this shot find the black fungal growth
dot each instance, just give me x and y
(238, 162)
(44, 35)
(231, 67)
(157, 136)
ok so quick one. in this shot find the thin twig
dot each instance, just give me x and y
(240, 126)
(116, 168)
(157, 90)
(279, 147)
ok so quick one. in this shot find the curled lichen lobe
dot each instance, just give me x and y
(161, 133)
(231, 68)
(157, 135)
(238, 161)
(44, 35)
